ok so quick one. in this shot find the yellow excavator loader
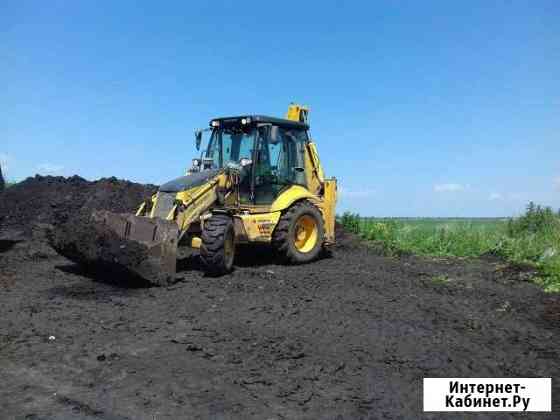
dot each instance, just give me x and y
(258, 180)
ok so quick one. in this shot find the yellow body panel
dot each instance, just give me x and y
(329, 204)
(256, 227)
(195, 205)
(297, 113)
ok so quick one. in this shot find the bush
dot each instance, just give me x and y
(351, 222)
(534, 238)
(536, 220)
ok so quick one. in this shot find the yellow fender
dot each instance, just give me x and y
(291, 195)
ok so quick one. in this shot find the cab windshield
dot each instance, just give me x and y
(230, 144)
(274, 159)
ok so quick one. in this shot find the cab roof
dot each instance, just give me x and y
(282, 122)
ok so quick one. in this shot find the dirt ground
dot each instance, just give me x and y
(349, 336)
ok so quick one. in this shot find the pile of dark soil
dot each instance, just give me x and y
(52, 200)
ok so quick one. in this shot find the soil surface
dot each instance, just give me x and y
(349, 336)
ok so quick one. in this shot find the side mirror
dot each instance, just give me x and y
(198, 139)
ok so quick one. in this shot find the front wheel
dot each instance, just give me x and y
(218, 245)
(299, 234)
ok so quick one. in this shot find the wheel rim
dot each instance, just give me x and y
(229, 249)
(306, 233)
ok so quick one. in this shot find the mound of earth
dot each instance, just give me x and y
(52, 200)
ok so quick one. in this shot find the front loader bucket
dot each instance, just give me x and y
(157, 235)
(145, 247)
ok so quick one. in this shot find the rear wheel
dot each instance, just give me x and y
(299, 235)
(218, 245)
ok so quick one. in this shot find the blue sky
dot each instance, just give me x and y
(418, 108)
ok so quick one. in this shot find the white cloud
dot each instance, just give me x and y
(495, 196)
(450, 187)
(49, 168)
(356, 193)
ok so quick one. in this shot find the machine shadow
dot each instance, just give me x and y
(189, 264)
(246, 256)
(6, 245)
(258, 255)
(255, 256)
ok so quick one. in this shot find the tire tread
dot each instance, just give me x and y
(212, 247)
(281, 235)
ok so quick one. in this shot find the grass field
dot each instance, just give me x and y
(533, 238)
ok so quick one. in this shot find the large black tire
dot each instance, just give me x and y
(218, 245)
(285, 236)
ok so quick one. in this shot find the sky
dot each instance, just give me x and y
(418, 108)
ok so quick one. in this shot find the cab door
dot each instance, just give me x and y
(279, 163)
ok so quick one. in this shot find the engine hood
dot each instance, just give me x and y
(187, 182)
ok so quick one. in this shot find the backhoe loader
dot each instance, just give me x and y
(258, 180)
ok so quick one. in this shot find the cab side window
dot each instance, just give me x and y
(280, 163)
(293, 162)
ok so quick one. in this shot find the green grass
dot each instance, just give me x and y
(533, 238)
